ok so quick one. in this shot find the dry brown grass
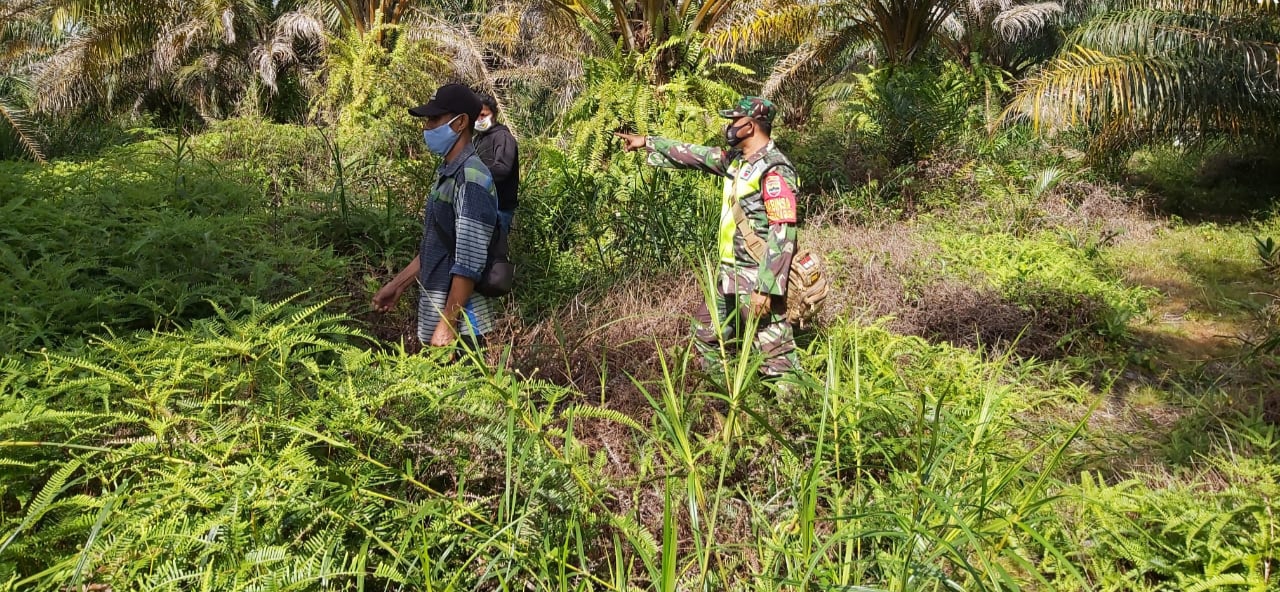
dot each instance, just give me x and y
(871, 268)
(893, 271)
(1087, 207)
(617, 337)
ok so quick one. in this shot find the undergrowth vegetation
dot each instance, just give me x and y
(271, 449)
(142, 246)
(162, 428)
(1050, 358)
(1081, 300)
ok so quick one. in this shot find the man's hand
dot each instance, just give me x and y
(444, 335)
(386, 298)
(761, 305)
(631, 142)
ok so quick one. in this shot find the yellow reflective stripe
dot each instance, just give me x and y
(726, 221)
(734, 189)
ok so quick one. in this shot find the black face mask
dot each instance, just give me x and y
(731, 134)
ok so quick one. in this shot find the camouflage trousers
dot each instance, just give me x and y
(723, 326)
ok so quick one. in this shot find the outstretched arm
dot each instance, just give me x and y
(668, 153)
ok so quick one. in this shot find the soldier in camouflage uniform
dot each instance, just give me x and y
(759, 179)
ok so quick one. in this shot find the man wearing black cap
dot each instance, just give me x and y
(757, 236)
(458, 223)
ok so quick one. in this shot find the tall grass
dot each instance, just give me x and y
(271, 449)
(232, 445)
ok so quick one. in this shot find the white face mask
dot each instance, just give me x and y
(484, 123)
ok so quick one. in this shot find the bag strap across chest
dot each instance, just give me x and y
(755, 245)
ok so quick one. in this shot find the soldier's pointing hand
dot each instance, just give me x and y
(631, 142)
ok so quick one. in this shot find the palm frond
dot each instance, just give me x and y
(786, 25)
(15, 119)
(459, 39)
(1085, 86)
(815, 54)
(1020, 22)
(1159, 67)
(1195, 36)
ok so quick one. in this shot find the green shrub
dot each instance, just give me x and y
(270, 448)
(131, 241)
(911, 111)
(589, 213)
(1212, 179)
(1213, 528)
(293, 163)
(833, 161)
(79, 135)
(1052, 279)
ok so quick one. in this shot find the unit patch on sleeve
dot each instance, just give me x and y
(779, 200)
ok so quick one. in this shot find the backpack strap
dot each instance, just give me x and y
(755, 245)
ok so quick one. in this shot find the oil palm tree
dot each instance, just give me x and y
(547, 49)
(825, 39)
(23, 38)
(216, 54)
(207, 53)
(682, 31)
(1149, 68)
(1001, 33)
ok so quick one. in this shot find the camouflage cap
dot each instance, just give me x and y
(758, 108)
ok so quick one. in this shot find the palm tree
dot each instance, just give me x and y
(539, 53)
(208, 53)
(1001, 33)
(641, 24)
(825, 40)
(218, 54)
(1149, 68)
(681, 31)
(23, 37)
(365, 16)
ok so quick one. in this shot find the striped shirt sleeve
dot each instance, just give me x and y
(476, 212)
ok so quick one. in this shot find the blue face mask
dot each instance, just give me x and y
(441, 139)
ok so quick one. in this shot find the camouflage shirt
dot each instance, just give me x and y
(762, 183)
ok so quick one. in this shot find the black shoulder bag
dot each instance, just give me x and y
(498, 275)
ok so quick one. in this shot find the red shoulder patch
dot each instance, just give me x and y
(779, 200)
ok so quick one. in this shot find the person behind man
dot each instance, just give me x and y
(499, 151)
(458, 222)
(761, 181)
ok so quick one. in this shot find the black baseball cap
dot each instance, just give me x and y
(450, 98)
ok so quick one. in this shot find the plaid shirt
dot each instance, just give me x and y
(458, 222)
